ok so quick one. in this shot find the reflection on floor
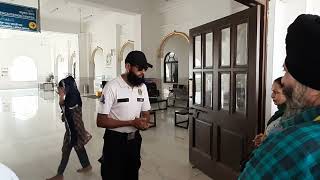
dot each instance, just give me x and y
(31, 135)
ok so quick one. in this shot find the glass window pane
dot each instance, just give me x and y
(242, 44)
(197, 60)
(208, 88)
(168, 72)
(225, 91)
(197, 97)
(225, 47)
(175, 72)
(209, 41)
(241, 93)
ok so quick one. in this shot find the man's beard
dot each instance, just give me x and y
(295, 100)
(134, 80)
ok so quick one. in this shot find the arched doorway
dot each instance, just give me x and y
(174, 55)
(98, 66)
(23, 69)
(61, 68)
(74, 65)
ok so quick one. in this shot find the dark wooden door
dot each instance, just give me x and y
(224, 55)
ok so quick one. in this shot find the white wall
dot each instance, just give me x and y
(123, 6)
(313, 7)
(282, 14)
(54, 25)
(270, 50)
(103, 34)
(102, 31)
(148, 31)
(63, 45)
(150, 40)
(29, 45)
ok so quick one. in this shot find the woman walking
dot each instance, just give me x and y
(76, 136)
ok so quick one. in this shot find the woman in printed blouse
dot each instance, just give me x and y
(279, 99)
(76, 136)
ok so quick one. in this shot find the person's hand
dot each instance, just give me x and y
(140, 123)
(258, 139)
(61, 92)
(63, 117)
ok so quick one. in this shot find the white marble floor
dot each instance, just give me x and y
(31, 134)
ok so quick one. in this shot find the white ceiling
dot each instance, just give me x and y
(61, 9)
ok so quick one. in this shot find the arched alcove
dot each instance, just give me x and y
(124, 50)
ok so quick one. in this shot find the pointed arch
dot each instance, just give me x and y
(123, 47)
(167, 37)
(95, 51)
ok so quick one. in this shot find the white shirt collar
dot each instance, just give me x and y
(122, 82)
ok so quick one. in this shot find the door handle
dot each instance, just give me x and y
(199, 111)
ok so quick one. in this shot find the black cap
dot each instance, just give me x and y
(303, 46)
(137, 58)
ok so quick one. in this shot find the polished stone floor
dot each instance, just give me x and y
(31, 134)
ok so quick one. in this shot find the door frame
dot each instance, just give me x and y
(263, 54)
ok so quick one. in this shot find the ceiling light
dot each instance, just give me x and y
(54, 10)
(87, 17)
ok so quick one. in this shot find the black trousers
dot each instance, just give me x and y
(121, 156)
(82, 155)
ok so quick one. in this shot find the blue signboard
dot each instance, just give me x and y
(18, 17)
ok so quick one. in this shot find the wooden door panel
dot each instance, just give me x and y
(221, 131)
(203, 139)
(231, 148)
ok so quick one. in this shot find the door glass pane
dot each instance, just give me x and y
(209, 41)
(197, 61)
(242, 44)
(197, 97)
(208, 88)
(241, 93)
(225, 91)
(225, 47)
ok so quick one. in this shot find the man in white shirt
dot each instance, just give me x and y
(123, 111)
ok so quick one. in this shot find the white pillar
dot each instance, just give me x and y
(86, 70)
